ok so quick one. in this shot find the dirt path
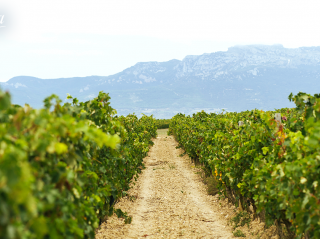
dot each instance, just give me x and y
(168, 201)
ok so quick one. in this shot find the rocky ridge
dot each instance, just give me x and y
(242, 78)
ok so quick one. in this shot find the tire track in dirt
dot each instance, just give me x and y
(171, 201)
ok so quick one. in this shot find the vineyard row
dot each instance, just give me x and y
(63, 167)
(269, 167)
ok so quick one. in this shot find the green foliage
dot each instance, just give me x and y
(162, 123)
(242, 218)
(62, 168)
(212, 185)
(270, 165)
(239, 233)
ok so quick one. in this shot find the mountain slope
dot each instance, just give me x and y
(242, 78)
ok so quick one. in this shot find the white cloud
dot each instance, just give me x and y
(181, 20)
(64, 52)
(90, 96)
(102, 37)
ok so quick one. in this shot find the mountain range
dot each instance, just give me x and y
(242, 78)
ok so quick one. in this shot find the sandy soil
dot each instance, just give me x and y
(169, 200)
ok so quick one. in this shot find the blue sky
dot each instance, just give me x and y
(67, 38)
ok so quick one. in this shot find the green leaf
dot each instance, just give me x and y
(265, 150)
(60, 148)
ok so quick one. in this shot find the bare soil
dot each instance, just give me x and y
(170, 200)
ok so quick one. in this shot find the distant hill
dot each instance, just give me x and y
(242, 78)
